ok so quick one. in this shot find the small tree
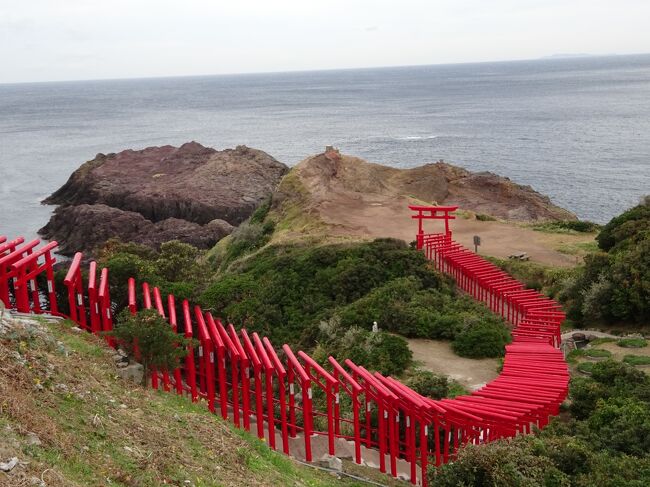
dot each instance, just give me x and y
(159, 347)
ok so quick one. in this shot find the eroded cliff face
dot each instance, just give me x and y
(340, 187)
(192, 193)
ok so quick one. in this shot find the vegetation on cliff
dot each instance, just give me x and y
(604, 441)
(323, 297)
(287, 291)
(612, 287)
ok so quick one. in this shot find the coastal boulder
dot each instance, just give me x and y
(87, 227)
(192, 193)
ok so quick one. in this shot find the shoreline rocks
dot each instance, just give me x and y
(192, 193)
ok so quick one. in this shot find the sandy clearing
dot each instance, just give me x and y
(373, 219)
(438, 357)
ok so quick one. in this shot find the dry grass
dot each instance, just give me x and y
(95, 429)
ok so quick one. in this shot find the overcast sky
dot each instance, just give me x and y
(93, 39)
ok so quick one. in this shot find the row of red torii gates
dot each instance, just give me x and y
(286, 397)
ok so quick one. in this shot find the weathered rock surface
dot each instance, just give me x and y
(348, 182)
(191, 193)
(87, 227)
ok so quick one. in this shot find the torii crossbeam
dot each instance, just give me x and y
(432, 213)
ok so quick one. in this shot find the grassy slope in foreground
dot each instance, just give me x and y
(63, 410)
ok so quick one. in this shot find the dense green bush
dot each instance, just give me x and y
(632, 342)
(482, 217)
(614, 285)
(380, 351)
(505, 463)
(285, 291)
(248, 236)
(597, 353)
(428, 384)
(158, 345)
(568, 226)
(636, 359)
(406, 307)
(482, 339)
(620, 424)
(609, 379)
(624, 229)
(176, 269)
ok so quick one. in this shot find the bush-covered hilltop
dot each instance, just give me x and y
(323, 297)
(286, 291)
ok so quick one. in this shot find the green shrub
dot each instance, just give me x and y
(159, 347)
(620, 425)
(178, 262)
(428, 384)
(573, 355)
(636, 360)
(612, 286)
(586, 367)
(618, 375)
(626, 226)
(176, 269)
(485, 218)
(389, 354)
(260, 214)
(505, 463)
(246, 237)
(383, 352)
(597, 353)
(286, 290)
(632, 343)
(567, 226)
(404, 306)
(484, 339)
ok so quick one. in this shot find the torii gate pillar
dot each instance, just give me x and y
(432, 213)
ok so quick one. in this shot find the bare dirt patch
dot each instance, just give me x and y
(438, 357)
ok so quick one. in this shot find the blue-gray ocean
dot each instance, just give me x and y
(577, 130)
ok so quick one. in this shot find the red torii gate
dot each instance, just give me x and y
(432, 213)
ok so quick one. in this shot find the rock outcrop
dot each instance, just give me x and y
(191, 193)
(349, 182)
(88, 227)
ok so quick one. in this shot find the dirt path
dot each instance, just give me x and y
(438, 357)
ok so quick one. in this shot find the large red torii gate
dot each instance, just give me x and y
(432, 213)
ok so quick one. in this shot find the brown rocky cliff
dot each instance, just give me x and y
(180, 190)
(353, 183)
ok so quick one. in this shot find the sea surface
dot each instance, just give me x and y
(577, 130)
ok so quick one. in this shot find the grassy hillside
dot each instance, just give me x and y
(72, 422)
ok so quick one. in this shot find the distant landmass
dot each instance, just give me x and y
(570, 55)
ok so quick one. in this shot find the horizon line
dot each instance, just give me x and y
(552, 57)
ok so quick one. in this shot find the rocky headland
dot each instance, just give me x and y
(192, 193)
(198, 195)
(334, 196)
(339, 182)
